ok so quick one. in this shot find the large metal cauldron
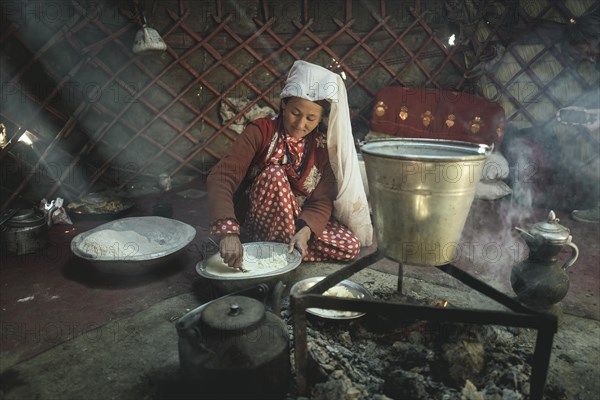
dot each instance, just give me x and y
(421, 192)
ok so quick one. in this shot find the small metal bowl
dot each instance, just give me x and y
(124, 257)
(227, 280)
(357, 290)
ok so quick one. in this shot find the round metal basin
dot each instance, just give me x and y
(131, 246)
(421, 193)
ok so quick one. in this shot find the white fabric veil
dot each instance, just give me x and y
(314, 83)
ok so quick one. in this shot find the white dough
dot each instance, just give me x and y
(252, 266)
(120, 244)
(337, 291)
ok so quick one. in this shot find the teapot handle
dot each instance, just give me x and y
(574, 255)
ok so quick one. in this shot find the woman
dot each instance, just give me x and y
(302, 184)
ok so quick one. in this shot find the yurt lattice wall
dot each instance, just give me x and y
(101, 116)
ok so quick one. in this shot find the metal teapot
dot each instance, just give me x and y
(540, 281)
(233, 347)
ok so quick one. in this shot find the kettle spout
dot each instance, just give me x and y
(526, 235)
(533, 241)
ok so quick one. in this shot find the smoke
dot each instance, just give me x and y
(490, 245)
(521, 204)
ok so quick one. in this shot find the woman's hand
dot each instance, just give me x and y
(300, 241)
(232, 251)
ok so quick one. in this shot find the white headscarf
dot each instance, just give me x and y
(314, 83)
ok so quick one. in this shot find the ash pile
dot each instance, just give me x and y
(376, 358)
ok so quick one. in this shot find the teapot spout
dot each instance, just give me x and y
(526, 235)
(532, 241)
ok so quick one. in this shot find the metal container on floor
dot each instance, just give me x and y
(25, 231)
(421, 193)
(236, 347)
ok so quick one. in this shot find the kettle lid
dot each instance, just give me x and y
(233, 314)
(25, 217)
(551, 230)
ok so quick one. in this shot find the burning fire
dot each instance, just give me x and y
(441, 303)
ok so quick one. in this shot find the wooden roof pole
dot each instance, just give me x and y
(265, 8)
(348, 10)
(305, 17)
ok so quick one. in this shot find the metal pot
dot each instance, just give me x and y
(233, 347)
(421, 192)
(24, 232)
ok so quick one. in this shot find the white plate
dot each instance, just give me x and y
(358, 292)
(259, 260)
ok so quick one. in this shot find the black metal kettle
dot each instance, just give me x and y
(234, 347)
(540, 281)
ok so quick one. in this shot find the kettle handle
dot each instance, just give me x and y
(274, 302)
(574, 255)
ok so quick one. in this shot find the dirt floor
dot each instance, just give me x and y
(67, 333)
(136, 357)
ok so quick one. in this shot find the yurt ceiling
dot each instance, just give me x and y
(82, 112)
